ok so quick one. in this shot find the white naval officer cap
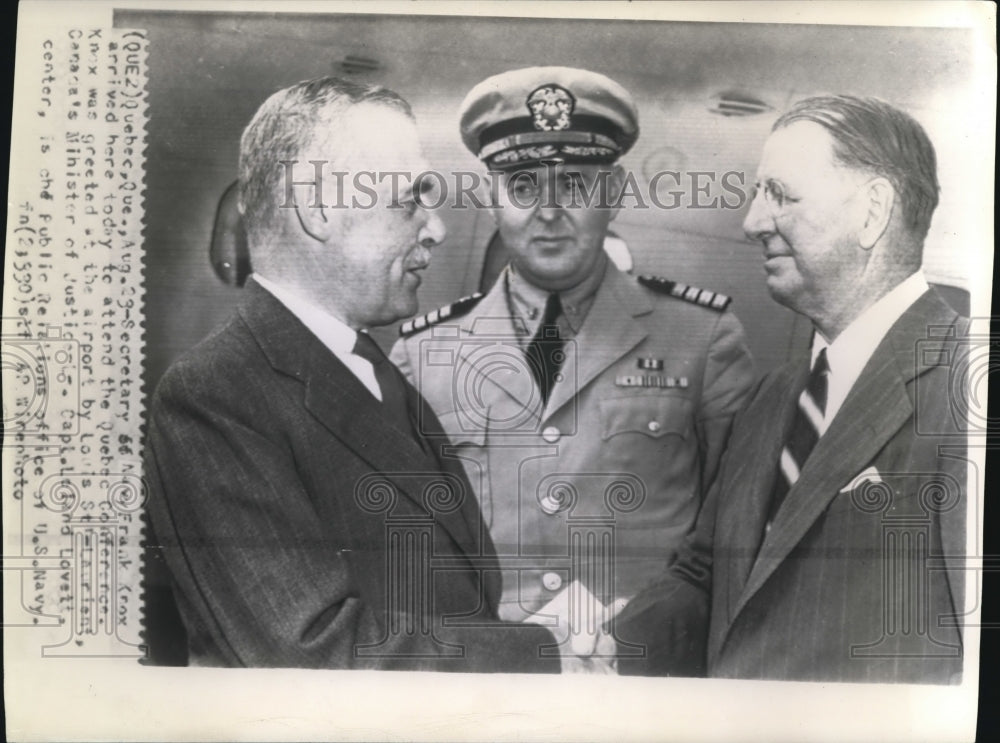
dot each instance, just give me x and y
(544, 114)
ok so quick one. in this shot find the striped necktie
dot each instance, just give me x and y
(804, 434)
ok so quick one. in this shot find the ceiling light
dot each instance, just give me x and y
(353, 64)
(736, 103)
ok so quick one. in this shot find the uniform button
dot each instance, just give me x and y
(552, 581)
(549, 505)
(654, 426)
(551, 434)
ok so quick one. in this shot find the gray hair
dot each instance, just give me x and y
(872, 136)
(285, 126)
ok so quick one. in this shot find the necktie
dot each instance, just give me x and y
(390, 381)
(804, 434)
(545, 352)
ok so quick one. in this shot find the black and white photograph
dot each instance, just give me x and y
(539, 371)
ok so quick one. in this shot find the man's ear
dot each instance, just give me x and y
(616, 182)
(879, 197)
(315, 219)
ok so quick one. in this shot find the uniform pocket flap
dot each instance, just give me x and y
(653, 416)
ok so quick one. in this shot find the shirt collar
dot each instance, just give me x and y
(334, 333)
(528, 301)
(850, 351)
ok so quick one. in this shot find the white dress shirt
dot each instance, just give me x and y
(852, 349)
(332, 332)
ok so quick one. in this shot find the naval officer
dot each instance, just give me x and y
(588, 407)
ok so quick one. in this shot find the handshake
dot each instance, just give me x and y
(579, 620)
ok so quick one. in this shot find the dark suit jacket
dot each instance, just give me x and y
(305, 529)
(849, 583)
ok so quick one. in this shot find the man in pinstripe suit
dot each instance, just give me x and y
(828, 546)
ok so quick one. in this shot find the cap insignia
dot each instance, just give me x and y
(551, 107)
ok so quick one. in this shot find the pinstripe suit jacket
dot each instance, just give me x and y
(850, 582)
(288, 505)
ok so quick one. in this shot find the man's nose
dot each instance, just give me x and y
(758, 220)
(550, 206)
(433, 232)
(549, 212)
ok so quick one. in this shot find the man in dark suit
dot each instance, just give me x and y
(305, 519)
(829, 545)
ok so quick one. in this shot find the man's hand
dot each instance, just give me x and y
(578, 619)
(600, 659)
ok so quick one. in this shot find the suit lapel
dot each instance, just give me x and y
(742, 522)
(609, 331)
(875, 409)
(341, 403)
(468, 510)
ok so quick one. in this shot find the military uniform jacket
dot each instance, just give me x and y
(602, 482)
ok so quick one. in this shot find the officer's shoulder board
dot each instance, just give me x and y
(450, 311)
(703, 297)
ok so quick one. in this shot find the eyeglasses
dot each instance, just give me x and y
(774, 196)
(778, 200)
